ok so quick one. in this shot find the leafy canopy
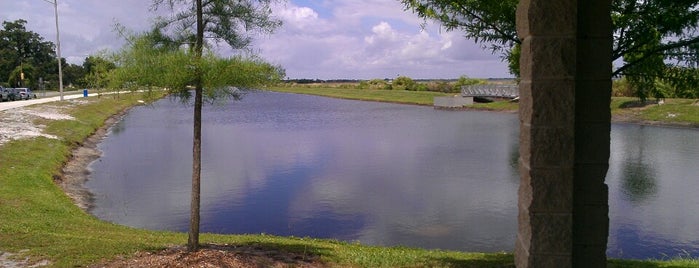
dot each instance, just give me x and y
(19, 47)
(146, 63)
(229, 21)
(654, 39)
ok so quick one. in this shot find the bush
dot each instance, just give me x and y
(363, 85)
(404, 83)
(420, 87)
(466, 81)
(441, 86)
(378, 84)
(622, 88)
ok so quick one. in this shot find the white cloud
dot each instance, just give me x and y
(298, 18)
(338, 39)
(382, 32)
(371, 39)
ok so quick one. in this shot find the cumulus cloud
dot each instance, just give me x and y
(324, 39)
(371, 39)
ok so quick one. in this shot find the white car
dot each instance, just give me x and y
(25, 93)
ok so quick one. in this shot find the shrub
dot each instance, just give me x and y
(363, 85)
(440, 86)
(379, 84)
(404, 83)
(465, 81)
(622, 88)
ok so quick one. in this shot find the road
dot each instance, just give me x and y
(49, 97)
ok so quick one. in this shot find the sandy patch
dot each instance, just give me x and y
(19, 123)
(10, 260)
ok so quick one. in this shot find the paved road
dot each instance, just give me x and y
(50, 97)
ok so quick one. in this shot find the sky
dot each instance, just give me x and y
(319, 39)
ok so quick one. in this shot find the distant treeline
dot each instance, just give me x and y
(319, 81)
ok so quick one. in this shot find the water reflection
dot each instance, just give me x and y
(382, 174)
(371, 172)
(639, 181)
(652, 190)
(638, 174)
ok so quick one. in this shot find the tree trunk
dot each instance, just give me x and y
(193, 242)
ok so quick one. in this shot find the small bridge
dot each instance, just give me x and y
(494, 91)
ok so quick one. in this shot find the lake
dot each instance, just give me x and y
(376, 173)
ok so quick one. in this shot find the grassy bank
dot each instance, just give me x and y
(39, 220)
(681, 112)
(395, 96)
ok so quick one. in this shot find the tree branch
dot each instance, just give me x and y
(654, 53)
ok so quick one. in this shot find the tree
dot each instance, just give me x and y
(96, 71)
(403, 83)
(19, 47)
(73, 75)
(222, 20)
(22, 76)
(644, 32)
(100, 61)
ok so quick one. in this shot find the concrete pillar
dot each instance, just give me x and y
(592, 130)
(564, 132)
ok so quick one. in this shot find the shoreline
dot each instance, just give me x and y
(83, 240)
(76, 172)
(623, 119)
(627, 116)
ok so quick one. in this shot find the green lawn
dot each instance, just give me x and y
(395, 96)
(35, 215)
(673, 111)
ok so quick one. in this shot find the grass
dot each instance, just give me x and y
(683, 112)
(394, 96)
(35, 215)
(497, 106)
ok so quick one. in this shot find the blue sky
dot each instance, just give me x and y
(324, 39)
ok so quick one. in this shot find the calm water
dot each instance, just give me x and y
(381, 174)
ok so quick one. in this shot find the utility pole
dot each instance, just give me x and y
(58, 48)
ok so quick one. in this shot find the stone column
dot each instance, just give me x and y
(564, 132)
(592, 129)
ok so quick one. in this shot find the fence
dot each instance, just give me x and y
(500, 91)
